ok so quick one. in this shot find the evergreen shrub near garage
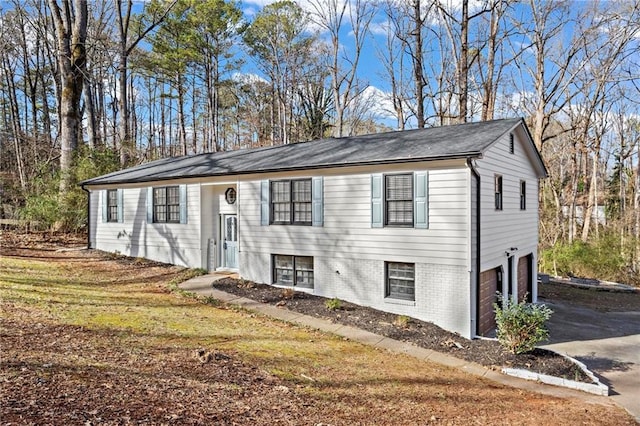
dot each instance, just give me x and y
(520, 326)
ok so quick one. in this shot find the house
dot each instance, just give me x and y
(427, 223)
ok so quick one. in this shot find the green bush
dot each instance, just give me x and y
(402, 321)
(606, 258)
(45, 205)
(333, 304)
(520, 326)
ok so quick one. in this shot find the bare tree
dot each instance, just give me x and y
(407, 22)
(127, 42)
(329, 15)
(491, 67)
(392, 57)
(458, 31)
(606, 53)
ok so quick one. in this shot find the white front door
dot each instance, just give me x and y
(230, 241)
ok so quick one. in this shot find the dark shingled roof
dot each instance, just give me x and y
(457, 141)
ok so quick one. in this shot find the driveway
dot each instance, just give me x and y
(607, 342)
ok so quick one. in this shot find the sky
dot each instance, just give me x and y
(372, 70)
(369, 69)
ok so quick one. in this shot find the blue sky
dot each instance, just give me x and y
(372, 70)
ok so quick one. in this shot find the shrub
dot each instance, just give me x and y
(43, 203)
(607, 257)
(402, 321)
(333, 304)
(288, 293)
(520, 326)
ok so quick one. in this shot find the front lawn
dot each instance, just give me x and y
(89, 338)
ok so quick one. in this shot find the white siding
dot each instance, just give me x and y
(347, 230)
(509, 230)
(349, 255)
(174, 243)
(94, 216)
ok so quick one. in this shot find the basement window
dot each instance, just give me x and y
(295, 271)
(400, 280)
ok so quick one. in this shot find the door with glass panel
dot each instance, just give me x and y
(230, 241)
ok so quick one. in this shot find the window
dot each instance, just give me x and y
(112, 205)
(398, 197)
(291, 202)
(523, 195)
(166, 204)
(498, 191)
(512, 148)
(296, 271)
(400, 279)
(400, 200)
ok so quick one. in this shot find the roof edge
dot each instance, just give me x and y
(460, 156)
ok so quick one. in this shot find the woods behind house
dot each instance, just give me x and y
(92, 87)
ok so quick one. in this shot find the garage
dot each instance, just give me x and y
(489, 284)
(524, 278)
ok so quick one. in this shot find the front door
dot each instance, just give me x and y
(230, 241)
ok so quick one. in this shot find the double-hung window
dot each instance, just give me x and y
(400, 200)
(400, 280)
(296, 271)
(112, 205)
(166, 204)
(291, 202)
(398, 191)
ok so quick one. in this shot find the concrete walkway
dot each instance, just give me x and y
(202, 285)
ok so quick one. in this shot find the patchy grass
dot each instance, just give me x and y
(88, 338)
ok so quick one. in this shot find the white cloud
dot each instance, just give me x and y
(247, 78)
(378, 101)
(380, 28)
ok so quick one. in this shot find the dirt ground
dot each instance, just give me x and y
(427, 335)
(158, 358)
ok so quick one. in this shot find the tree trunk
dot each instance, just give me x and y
(463, 63)
(13, 115)
(71, 33)
(417, 63)
(126, 148)
(89, 103)
(182, 133)
(592, 202)
(489, 95)
(636, 207)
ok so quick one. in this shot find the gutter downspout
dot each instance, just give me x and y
(88, 216)
(477, 212)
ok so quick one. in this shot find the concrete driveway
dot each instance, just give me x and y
(607, 342)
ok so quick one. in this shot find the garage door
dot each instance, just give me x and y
(524, 278)
(487, 297)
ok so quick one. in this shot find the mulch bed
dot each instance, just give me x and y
(424, 334)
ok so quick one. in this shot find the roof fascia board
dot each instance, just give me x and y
(147, 180)
(533, 150)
